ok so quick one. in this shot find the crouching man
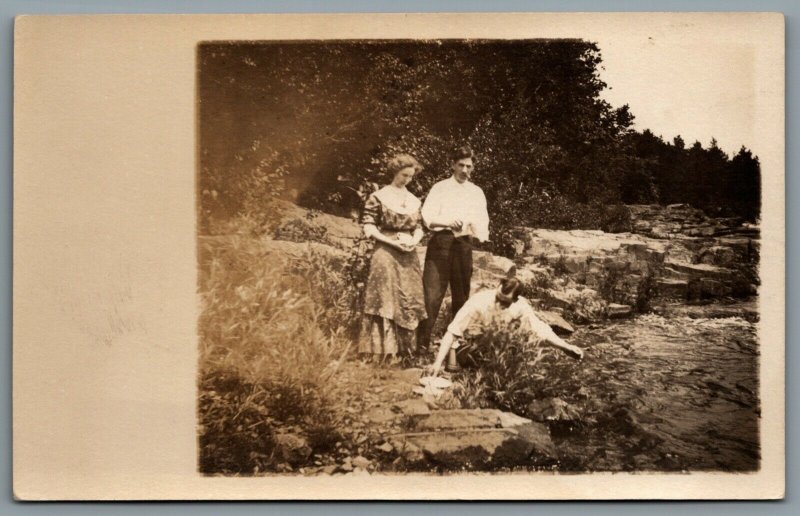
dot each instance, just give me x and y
(506, 298)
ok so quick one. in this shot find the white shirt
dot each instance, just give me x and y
(483, 304)
(449, 200)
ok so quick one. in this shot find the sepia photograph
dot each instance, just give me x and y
(452, 256)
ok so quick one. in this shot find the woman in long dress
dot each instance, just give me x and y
(394, 300)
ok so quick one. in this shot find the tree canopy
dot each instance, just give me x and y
(317, 120)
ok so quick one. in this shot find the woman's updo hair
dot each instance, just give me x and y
(510, 290)
(400, 161)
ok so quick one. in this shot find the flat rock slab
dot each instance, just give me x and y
(460, 419)
(413, 407)
(555, 321)
(699, 270)
(616, 310)
(528, 444)
(410, 375)
(676, 288)
(380, 415)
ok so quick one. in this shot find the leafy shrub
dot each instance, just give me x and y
(616, 219)
(471, 390)
(298, 230)
(506, 356)
(618, 285)
(585, 305)
(612, 284)
(560, 267)
(537, 287)
(646, 290)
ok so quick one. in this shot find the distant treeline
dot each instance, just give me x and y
(317, 120)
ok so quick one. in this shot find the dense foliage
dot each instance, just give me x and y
(319, 119)
(505, 366)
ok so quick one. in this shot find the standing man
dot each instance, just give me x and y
(455, 211)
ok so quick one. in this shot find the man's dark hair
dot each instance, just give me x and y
(463, 152)
(510, 290)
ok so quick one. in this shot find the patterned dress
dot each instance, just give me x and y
(394, 303)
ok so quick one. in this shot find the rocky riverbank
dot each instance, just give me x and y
(694, 276)
(675, 254)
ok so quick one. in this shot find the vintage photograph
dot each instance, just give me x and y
(365, 256)
(471, 255)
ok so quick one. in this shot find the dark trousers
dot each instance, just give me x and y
(448, 260)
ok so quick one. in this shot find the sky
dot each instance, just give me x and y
(681, 86)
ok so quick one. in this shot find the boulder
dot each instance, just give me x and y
(555, 321)
(291, 448)
(742, 246)
(340, 232)
(589, 256)
(528, 444)
(490, 268)
(385, 447)
(660, 232)
(552, 409)
(580, 244)
(361, 462)
(704, 288)
(677, 251)
(585, 303)
(532, 273)
(718, 255)
(673, 288)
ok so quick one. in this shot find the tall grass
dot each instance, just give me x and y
(269, 354)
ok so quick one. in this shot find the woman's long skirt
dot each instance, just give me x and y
(394, 302)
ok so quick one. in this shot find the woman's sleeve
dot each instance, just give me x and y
(538, 327)
(372, 211)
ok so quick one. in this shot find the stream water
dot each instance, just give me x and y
(661, 393)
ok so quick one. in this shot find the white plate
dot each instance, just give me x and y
(405, 238)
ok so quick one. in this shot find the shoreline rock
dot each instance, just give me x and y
(674, 253)
(475, 438)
